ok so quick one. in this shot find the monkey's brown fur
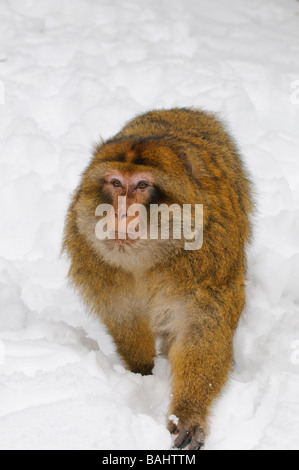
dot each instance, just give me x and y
(192, 299)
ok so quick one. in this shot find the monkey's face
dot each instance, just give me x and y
(127, 191)
(115, 201)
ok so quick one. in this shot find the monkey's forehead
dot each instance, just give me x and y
(136, 150)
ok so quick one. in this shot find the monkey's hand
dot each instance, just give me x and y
(192, 436)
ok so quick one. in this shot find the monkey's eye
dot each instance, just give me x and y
(142, 185)
(116, 183)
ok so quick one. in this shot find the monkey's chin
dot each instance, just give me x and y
(110, 248)
(133, 255)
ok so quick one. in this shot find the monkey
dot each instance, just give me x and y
(143, 289)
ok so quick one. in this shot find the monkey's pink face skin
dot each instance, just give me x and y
(135, 186)
(137, 189)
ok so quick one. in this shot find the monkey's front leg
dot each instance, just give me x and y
(135, 343)
(201, 360)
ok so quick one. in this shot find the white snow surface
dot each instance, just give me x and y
(72, 73)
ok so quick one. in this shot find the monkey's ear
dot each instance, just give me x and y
(186, 162)
(192, 160)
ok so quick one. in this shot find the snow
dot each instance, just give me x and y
(72, 72)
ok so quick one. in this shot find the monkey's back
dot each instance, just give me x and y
(177, 121)
(204, 140)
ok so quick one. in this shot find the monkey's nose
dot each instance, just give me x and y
(125, 217)
(120, 216)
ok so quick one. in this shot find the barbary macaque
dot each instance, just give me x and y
(146, 288)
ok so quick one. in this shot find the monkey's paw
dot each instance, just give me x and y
(193, 437)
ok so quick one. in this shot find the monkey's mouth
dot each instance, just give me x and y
(123, 239)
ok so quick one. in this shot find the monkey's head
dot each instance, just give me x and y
(124, 172)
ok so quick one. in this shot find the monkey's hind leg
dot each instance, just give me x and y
(135, 343)
(201, 360)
